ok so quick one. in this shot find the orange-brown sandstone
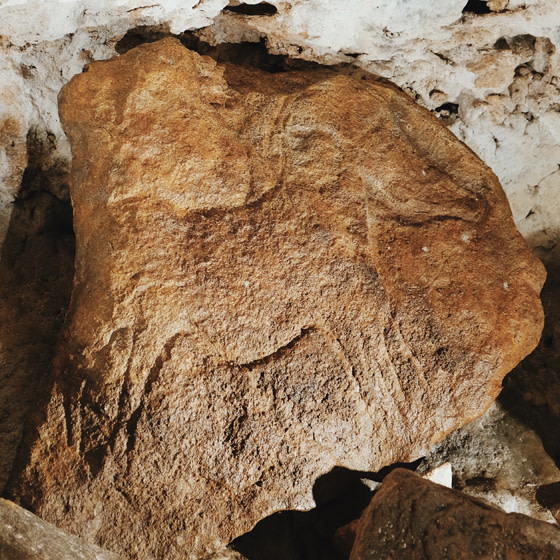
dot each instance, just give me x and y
(276, 273)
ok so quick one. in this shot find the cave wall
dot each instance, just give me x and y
(489, 70)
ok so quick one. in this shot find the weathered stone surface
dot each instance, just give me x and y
(225, 554)
(23, 536)
(413, 518)
(276, 273)
(493, 77)
(500, 459)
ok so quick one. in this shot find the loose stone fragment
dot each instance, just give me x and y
(23, 536)
(271, 280)
(443, 474)
(500, 459)
(413, 518)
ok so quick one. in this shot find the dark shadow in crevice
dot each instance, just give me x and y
(142, 34)
(246, 54)
(548, 496)
(249, 55)
(532, 390)
(340, 495)
(447, 113)
(478, 7)
(517, 44)
(261, 9)
(36, 274)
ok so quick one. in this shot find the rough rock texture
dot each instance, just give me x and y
(276, 273)
(492, 77)
(490, 74)
(23, 536)
(412, 518)
(499, 459)
(225, 554)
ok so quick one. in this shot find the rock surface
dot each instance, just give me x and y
(225, 554)
(276, 273)
(492, 77)
(23, 536)
(413, 518)
(499, 459)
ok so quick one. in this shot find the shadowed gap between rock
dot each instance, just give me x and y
(532, 390)
(340, 495)
(36, 273)
(245, 53)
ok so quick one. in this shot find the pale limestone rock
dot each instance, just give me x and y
(442, 474)
(435, 52)
(35, 21)
(276, 274)
(14, 124)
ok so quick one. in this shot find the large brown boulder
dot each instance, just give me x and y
(276, 273)
(411, 518)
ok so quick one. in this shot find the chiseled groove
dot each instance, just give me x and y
(304, 331)
(155, 371)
